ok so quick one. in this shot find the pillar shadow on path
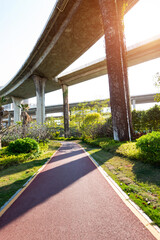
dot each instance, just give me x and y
(63, 156)
(30, 164)
(47, 184)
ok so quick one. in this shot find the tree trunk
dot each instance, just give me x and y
(0, 140)
(112, 16)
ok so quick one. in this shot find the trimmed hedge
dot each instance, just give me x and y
(150, 146)
(24, 145)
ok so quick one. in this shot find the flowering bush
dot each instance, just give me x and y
(38, 132)
(12, 133)
(35, 131)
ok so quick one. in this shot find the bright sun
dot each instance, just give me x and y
(142, 21)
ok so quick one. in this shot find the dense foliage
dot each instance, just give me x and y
(90, 124)
(24, 145)
(146, 120)
(150, 146)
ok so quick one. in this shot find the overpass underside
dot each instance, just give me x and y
(73, 27)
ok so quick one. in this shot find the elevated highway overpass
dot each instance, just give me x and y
(139, 99)
(136, 54)
(73, 27)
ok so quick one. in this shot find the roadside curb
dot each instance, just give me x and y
(4, 208)
(147, 222)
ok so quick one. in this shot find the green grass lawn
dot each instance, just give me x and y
(13, 177)
(141, 181)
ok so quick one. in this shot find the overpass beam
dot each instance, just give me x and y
(40, 93)
(17, 109)
(112, 17)
(65, 110)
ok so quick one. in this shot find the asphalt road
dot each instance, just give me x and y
(70, 200)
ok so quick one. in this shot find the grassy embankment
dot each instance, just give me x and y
(16, 170)
(125, 164)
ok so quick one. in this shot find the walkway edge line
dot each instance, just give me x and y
(147, 222)
(4, 208)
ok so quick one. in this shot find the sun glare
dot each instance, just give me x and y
(142, 21)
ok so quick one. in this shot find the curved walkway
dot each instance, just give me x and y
(70, 200)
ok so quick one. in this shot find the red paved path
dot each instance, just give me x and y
(70, 200)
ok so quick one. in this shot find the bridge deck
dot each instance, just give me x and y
(70, 199)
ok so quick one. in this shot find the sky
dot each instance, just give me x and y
(22, 22)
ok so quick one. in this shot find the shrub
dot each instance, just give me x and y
(150, 146)
(129, 150)
(90, 124)
(11, 160)
(24, 145)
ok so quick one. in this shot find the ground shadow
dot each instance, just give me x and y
(144, 172)
(22, 167)
(147, 173)
(48, 183)
(62, 155)
(15, 168)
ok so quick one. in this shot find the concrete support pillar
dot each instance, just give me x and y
(40, 93)
(134, 104)
(17, 110)
(112, 17)
(65, 110)
(9, 120)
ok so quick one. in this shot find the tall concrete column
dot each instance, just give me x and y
(134, 104)
(112, 17)
(9, 120)
(17, 110)
(65, 110)
(40, 93)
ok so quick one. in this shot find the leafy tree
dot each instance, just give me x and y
(153, 118)
(139, 120)
(79, 113)
(90, 123)
(99, 105)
